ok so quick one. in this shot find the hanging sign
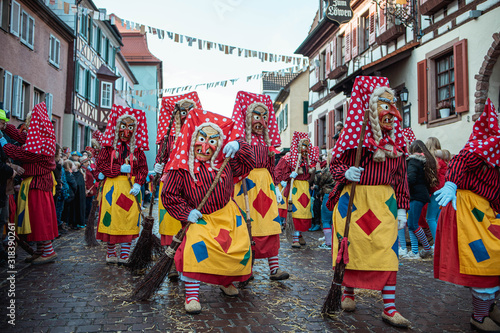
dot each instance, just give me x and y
(339, 11)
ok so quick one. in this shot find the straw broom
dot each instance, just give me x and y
(289, 226)
(153, 280)
(148, 245)
(25, 246)
(248, 220)
(333, 300)
(90, 238)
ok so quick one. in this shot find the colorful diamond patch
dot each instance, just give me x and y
(479, 215)
(479, 250)
(368, 222)
(200, 251)
(109, 195)
(224, 239)
(343, 204)
(124, 202)
(304, 200)
(393, 206)
(262, 203)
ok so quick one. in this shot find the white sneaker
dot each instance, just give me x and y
(321, 239)
(402, 252)
(324, 246)
(411, 256)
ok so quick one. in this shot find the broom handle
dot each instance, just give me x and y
(356, 164)
(127, 161)
(247, 208)
(162, 156)
(290, 201)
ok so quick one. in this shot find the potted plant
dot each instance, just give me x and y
(444, 108)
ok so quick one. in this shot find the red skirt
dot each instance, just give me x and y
(302, 224)
(283, 212)
(266, 246)
(43, 218)
(446, 262)
(12, 209)
(375, 280)
(115, 239)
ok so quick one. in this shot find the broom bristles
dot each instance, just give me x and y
(153, 279)
(289, 226)
(333, 301)
(25, 246)
(147, 248)
(90, 238)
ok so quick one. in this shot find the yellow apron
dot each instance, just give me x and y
(373, 232)
(477, 225)
(262, 200)
(119, 214)
(282, 204)
(169, 226)
(219, 244)
(22, 219)
(301, 199)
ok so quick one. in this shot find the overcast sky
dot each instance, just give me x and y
(270, 26)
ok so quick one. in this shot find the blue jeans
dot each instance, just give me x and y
(326, 215)
(414, 214)
(433, 215)
(59, 209)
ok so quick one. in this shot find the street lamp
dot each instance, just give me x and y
(403, 95)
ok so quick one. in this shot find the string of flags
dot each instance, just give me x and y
(201, 44)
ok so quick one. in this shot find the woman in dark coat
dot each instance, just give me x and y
(69, 209)
(421, 169)
(80, 197)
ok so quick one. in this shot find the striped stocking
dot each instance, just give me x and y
(414, 242)
(39, 248)
(47, 248)
(125, 250)
(481, 308)
(389, 296)
(192, 291)
(402, 239)
(348, 293)
(422, 238)
(111, 250)
(273, 264)
(295, 237)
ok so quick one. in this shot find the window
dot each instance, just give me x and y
(27, 29)
(17, 91)
(285, 120)
(323, 8)
(15, 18)
(106, 90)
(95, 36)
(84, 26)
(4, 14)
(322, 133)
(7, 91)
(445, 81)
(38, 96)
(341, 54)
(322, 66)
(92, 89)
(364, 32)
(81, 87)
(54, 52)
(48, 102)
(102, 46)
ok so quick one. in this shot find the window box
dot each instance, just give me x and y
(320, 85)
(429, 7)
(337, 72)
(390, 34)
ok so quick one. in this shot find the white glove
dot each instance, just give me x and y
(194, 216)
(231, 148)
(293, 174)
(279, 197)
(100, 176)
(446, 194)
(283, 183)
(125, 168)
(159, 168)
(135, 189)
(353, 174)
(401, 218)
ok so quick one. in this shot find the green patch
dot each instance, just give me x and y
(393, 206)
(273, 188)
(479, 215)
(294, 191)
(202, 222)
(162, 214)
(23, 195)
(247, 257)
(107, 219)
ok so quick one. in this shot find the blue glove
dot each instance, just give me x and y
(135, 189)
(3, 141)
(283, 183)
(293, 174)
(125, 168)
(194, 216)
(100, 176)
(446, 194)
(231, 148)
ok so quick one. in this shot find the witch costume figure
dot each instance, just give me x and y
(256, 122)
(301, 154)
(382, 195)
(36, 213)
(216, 248)
(122, 162)
(467, 249)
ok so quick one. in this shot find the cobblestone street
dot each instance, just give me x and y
(80, 293)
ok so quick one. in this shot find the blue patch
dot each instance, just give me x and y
(239, 220)
(20, 219)
(109, 195)
(395, 247)
(479, 251)
(343, 204)
(139, 220)
(250, 185)
(277, 219)
(200, 251)
(294, 209)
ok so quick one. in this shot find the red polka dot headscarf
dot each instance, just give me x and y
(248, 101)
(293, 156)
(409, 135)
(485, 138)
(41, 137)
(139, 138)
(182, 155)
(97, 135)
(167, 107)
(375, 140)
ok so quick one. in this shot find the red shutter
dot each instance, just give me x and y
(334, 53)
(461, 76)
(373, 11)
(422, 91)
(381, 19)
(316, 133)
(355, 46)
(348, 43)
(328, 59)
(330, 131)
